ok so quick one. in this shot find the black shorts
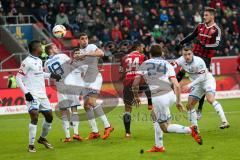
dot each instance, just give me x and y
(128, 95)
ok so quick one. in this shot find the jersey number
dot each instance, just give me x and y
(132, 63)
(56, 68)
(152, 70)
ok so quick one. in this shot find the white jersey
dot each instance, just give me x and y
(33, 77)
(194, 68)
(157, 72)
(58, 64)
(89, 64)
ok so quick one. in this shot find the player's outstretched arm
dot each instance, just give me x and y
(177, 90)
(190, 37)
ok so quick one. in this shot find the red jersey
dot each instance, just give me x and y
(208, 39)
(207, 36)
(130, 65)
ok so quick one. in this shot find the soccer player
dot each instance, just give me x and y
(60, 63)
(130, 65)
(89, 55)
(30, 78)
(208, 37)
(160, 76)
(202, 82)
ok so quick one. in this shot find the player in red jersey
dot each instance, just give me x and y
(208, 37)
(130, 64)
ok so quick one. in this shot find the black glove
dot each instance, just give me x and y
(29, 97)
(56, 76)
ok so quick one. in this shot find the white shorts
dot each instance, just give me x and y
(41, 104)
(200, 89)
(66, 101)
(161, 106)
(93, 87)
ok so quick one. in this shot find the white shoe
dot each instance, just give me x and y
(224, 125)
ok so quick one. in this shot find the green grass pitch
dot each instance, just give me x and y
(217, 144)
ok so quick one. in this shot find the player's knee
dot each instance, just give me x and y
(49, 118)
(163, 127)
(34, 121)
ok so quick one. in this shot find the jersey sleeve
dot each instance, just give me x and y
(170, 71)
(92, 47)
(201, 66)
(24, 68)
(179, 62)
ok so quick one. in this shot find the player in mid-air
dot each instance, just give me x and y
(30, 78)
(60, 63)
(208, 37)
(89, 54)
(129, 66)
(160, 76)
(202, 82)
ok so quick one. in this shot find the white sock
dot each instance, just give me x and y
(66, 125)
(105, 121)
(158, 135)
(217, 106)
(91, 120)
(93, 125)
(176, 128)
(45, 128)
(75, 122)
(99, 111)
(192, 115)
(32, 133)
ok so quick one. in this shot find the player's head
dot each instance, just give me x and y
(156, 51)
(51, 49)
(187, 54)
(209, 14)
(83, 40)
(35, 47)
(138, 46)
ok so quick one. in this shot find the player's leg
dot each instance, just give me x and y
(33, 110)
(45, 109)
(128, 99)
(75, 115)
(192, 115)
(91, 118)
(194, 96)
(75, 123)
(200, 106)
(201, 101)
(32, 129)
(66, 124)
(218, 108)
(99, 111)
(147, 92)
(158, 135)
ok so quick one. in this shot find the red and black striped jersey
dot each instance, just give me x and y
(208, 39)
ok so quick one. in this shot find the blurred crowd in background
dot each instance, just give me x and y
(110, 22)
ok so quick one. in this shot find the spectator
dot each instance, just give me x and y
(197, 18)
(12, 83)
(126, 33)
(62, 19)
(116, 34)
(126, 23)
(156, 33)
(49, 20)
(164, 17)
(105, 36)
(137, 22)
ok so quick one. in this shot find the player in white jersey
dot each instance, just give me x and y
(202, 82)
(60, 63)
(89, 55)
(160, 76)
(30, 79)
